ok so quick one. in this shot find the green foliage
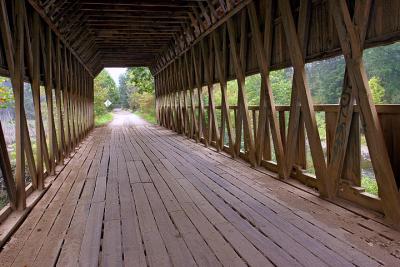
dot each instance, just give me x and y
(103, 119)
(369, 185)
(383, 62)
(124, 90)
(281, 82)
(253, 85)
(100, 97)
(325, 79)
(143, 103)
(6, 94)
(140, 78)
(377, 90)
(104, 88)
(232, 92)
(3, 199)
(149, 117)
(137, 92)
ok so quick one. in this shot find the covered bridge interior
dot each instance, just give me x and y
(229, 187)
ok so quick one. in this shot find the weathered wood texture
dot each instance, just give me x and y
(191, 45)
(139, 195)
(254, 38)
(136, 33)
(33, 56)
(321, 42)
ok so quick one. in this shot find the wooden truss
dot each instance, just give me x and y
(31, 45)
(231, 42)
(195, 48)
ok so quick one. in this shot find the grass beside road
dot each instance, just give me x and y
(147, 116)
(103, 119)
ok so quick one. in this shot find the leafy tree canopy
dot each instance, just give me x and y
(140, 78)
(377, 90)
(124, 90)
(104, 88)
(6, 94)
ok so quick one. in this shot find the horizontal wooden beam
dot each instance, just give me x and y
(152, 3)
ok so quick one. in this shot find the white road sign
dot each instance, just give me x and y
(107, 103)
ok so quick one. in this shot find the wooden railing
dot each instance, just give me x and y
(357, 151)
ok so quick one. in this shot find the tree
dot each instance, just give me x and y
(123, 90)
(104, 88)
(377, 90)
(137, 91)
(281, 83)
(104, 80)
(141, 78)
(253, 85)
(6, 94)
(325, 79)
(143, 102)
(100, 97)
(383, 63)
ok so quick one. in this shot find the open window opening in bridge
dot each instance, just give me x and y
(382, 66)
(7, 118)
(221, 125)
(45, 114)
(385, 89)
(325, 80)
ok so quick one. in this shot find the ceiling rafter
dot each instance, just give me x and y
(203, 22)
(153, 31)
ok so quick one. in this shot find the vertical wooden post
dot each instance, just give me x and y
(223, 84)
(178, 90)
(260, 137)
(268, 99)
(75, 100)
(60, 122)
(19, 106)
(72, 100)
(36, 99)
(194, 129)
(243, 106)
(352, 50)
(351, 170)
(207, 57)
(307, 106)
(201, 120)
(346, 104)
(184, 90)
(49, 97)
(66, 103)
(296, 135)
(78, 101)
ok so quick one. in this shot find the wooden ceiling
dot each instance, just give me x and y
(124, 33)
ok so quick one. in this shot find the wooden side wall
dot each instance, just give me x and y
(32, 53)
(321, 41)
(265, 35)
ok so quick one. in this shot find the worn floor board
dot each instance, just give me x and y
(136, 194)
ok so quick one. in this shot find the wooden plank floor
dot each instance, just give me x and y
(140, 195)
